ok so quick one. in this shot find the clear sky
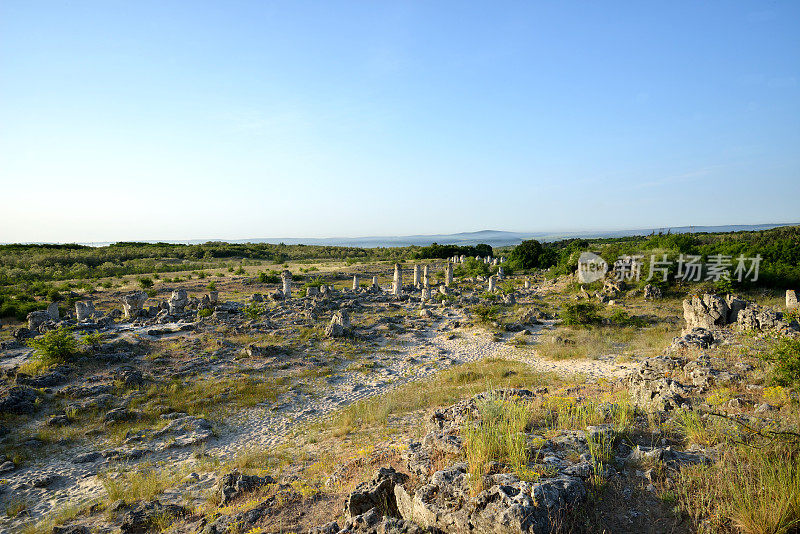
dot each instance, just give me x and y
(124, 120)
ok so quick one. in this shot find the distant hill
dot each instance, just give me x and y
(495, 238)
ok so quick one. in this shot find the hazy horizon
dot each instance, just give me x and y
(201, 120)
(493, 237)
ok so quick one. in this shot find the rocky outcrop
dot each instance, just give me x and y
(339, 325)
(652, 388)
(509, 505)
(711, 312)
(652, 292)
(377, 493)
(84, 310)
(132, 304)
(149, 515)
(18, 400)
(177, 302)
(235, 484)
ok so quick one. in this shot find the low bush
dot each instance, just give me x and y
(581, 314)
(55, 346)
(145, 282)
(271, 277)
(785, 355)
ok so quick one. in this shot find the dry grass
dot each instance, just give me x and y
(144, 483)
(444, 388)
(577, 342)
(755, 490)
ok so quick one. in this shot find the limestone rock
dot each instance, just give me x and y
(177, 302)
(146, 516)
(376, 493)
(84, 310)
(339, 325)
(132, 304)
(18, 400)
(791, 299)
(37, 319)
(52, 311)
(652, 292)
(234, 484)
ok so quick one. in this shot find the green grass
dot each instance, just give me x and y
(443, 388)
(499, 435)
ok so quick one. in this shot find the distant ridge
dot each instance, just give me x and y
(495, 238)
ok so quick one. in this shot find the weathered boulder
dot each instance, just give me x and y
(758, 318)
(509, 505)
(698, 337)
(177, 301)
(651, 387)
(84, 310)
(339, 325)
(652, 292)
(377, 493)
(37, 319)
(149, 515)
(234, 484)
(52, 311)
(19, 400)
(708, 312)
(132, 304)
(791, 299)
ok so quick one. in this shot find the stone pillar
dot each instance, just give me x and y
(448, 274)
(177, 301)
(286, 278)
(84, 309)
(425, 281)
(500, 273)
(463, 258)
(356, 282)
(791, 299)
(494, 261)
(397, 283)
(375, 286)
(52, 311)
(416, 276)
(491, 284)
(527, 284)
(425, 294)
(131, 304)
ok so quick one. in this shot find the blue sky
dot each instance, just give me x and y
(182, 120)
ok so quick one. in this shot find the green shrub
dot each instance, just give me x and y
(271, 277)
(581, 314)
(145, 282)
(486, 312)
(253, 311)
(785, 354)
(205, 312)
(212, 286)
(56, 346)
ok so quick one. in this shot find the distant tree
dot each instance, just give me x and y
(528, 254)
